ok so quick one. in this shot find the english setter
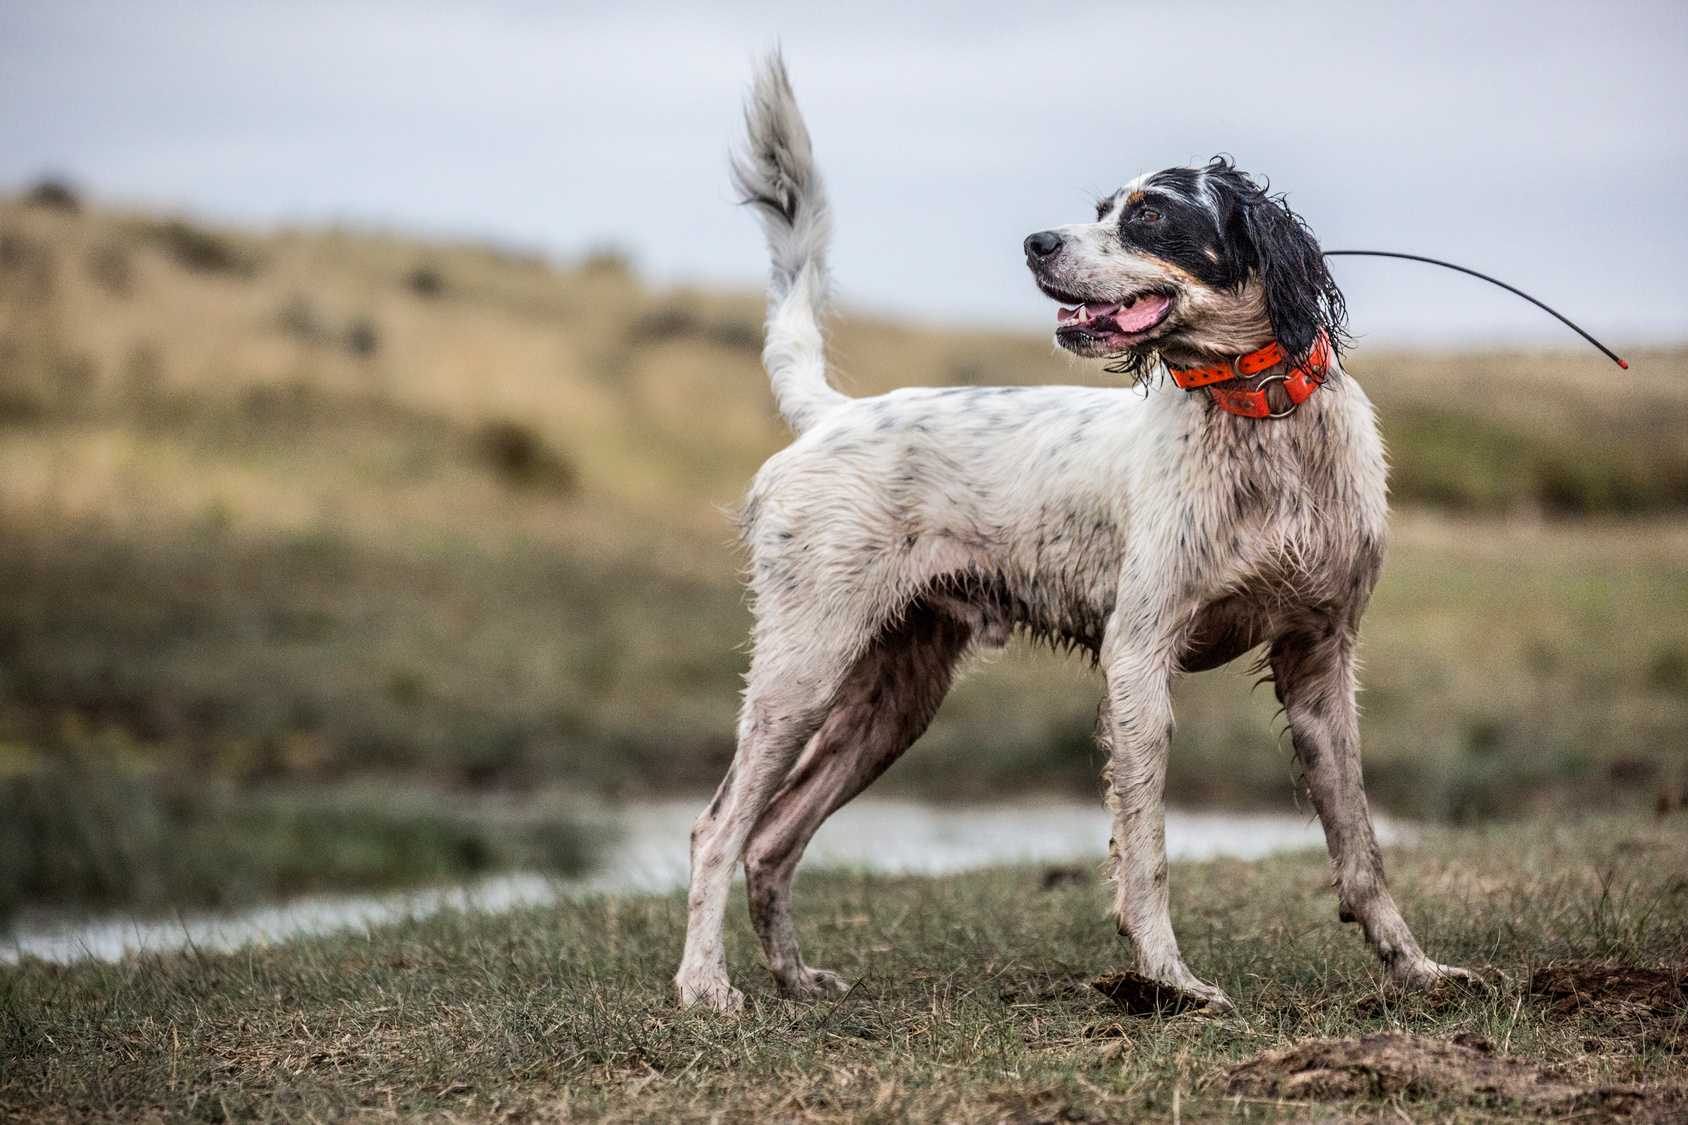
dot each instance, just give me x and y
(1164, 532)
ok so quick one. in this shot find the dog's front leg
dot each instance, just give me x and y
(1313, 675)
(1136, 730)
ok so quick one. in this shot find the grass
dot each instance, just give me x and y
(85, 835)
(969, 1003)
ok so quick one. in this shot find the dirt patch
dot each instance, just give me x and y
(1137, 995)
(1398, 1064)
(1612, 990)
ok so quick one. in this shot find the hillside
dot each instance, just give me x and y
(326, 505)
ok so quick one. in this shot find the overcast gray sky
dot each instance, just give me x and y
(1543, 142)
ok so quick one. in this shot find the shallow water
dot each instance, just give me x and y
(894, 837)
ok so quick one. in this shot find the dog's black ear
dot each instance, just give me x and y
(1301, 296)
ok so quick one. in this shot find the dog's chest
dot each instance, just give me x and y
(1290, 511)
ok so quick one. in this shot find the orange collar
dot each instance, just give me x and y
(1299, 384)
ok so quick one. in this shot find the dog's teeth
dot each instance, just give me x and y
(1083, 313)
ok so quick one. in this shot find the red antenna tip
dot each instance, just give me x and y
(1623, 365)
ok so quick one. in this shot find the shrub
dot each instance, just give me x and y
(520, 456)
(201, 250)
(425, 281)
(54, 194)
(362, 339)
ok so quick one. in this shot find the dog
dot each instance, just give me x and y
(1162, 528)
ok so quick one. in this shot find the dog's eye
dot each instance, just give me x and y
(1148, 215)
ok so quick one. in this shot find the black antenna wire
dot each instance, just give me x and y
(1610, 354)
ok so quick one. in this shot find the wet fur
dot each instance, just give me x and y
(1154, 531)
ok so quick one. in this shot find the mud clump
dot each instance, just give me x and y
(1137, 995)
(1399, 1064)
(1620, 989)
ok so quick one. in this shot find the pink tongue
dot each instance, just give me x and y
(1141, 315)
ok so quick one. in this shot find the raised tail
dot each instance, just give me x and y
(776, 174)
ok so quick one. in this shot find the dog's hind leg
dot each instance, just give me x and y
(890, 696)
(1314, 680)
(788, 692)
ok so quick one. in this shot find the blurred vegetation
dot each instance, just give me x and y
(81, 832)
(1468, 463)
(310, 507)
(196, 248)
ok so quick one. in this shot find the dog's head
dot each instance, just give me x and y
(1196, 264)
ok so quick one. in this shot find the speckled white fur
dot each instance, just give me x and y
(1155, 531)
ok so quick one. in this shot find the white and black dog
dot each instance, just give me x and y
(1164, 532)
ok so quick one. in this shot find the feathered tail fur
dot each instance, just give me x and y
(776, 174)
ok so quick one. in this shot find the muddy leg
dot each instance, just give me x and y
(891, 695)
(1315, 682)
(785, 702)
(1136, 730)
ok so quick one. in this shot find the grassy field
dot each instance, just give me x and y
(309, 508)
(970, 1005)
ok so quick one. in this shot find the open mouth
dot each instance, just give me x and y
(1099, 325)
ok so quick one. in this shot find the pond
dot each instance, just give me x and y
(651, 856)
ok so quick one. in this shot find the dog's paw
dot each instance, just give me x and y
(1214, 1000)
(708, 990)
(1427, 974)
(813, 984)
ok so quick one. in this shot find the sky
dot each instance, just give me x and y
(1542, 142)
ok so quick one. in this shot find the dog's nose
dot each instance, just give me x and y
(1042, 245)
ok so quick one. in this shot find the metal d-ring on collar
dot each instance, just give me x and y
(1267, 381)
